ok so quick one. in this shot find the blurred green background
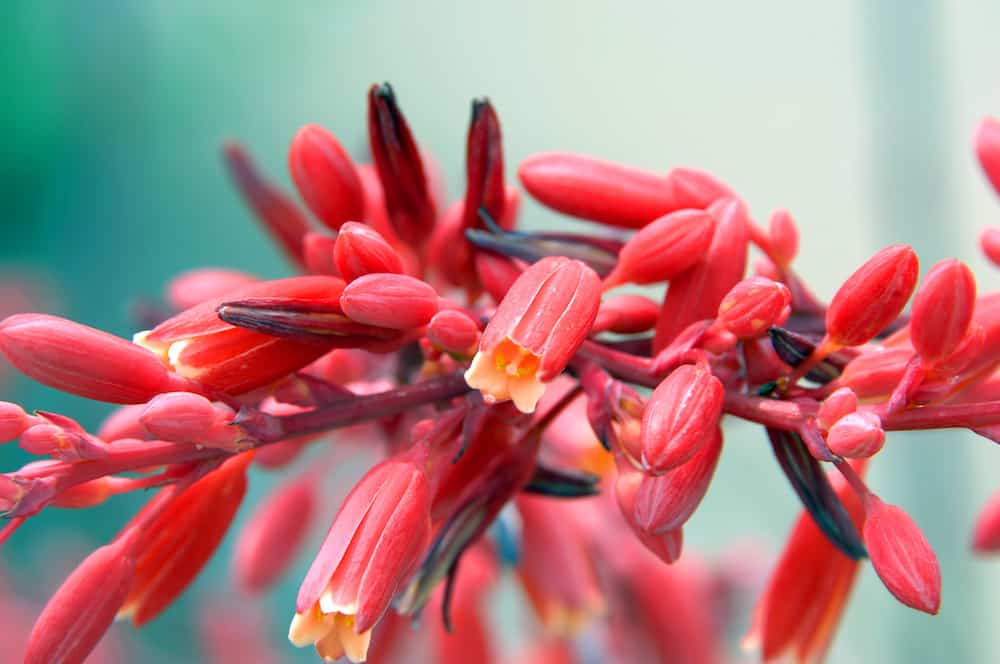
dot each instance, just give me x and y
(855, 116)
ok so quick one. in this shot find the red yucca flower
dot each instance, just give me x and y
(494, 387)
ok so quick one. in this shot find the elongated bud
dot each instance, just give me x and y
(82, 610)
(360, 250)
(281, 217)
(753, 306)
(667, 546)
(663, 249)
(123, 422)
(178, 416)
(194, 287)
(856, 435)
(986, 537)
(393, 301)
(693, 188)
(80, 360)
(86, 494)
(873, 296)
(901, 556)
(626, 314)
(989, 243)
(325, 176)
(988, 150)
(317, 250)
(400, 167)
(484, 189)
(841, 402)
(942, 310)
(666, 502)
(13, 421)
(61, 443)
(783, 233)
(496, 273)
(536, 330)
(453, 332)
(681, 416)
(272, 537)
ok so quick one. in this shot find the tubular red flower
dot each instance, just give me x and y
(325, 176)
(681, 417)
(537, 328)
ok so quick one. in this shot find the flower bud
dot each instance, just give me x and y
(281, 217)
(178, 416)
(496, 273)
(86, 494)
(876, 373)
(626, 314)
(535, 331)
(271, 538)
(753, 306)
(61, 443)
(901, 556)
(325, 176)
(986, 537)
(873, 296)
(484, 187)
(123, 422)
(360, 250)
(80, 360)
(841, 402)
(393, 301)
(196, 286)
(856, 435)
(988, 150)
(783, 234)
(666, 502)
(989, 243)
(663, 248)
(693, 188)
(942, 310)
(317, 253)
(453, 332)
(400, 167)
(13, 421)
(667, 546)
(82, 610)
(681, 416)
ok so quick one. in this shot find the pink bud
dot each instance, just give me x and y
(536, 330)
(985, 539)
(856, 435)
(281, 217)
(393, 301)
(123, 422)
(453, 332)
(666, 502)
(360, 250)
(693, 188)
(989, 243)
(942, 310)
(901, 556)
(13, 421)
(325, 176)
(877, 372)
(626, 314)
(753, 306)
(496, 273)
(317, 251)
(842, 402)
(663, 248)
(83, 608)
(988, 150)
(270, 540)
(194, 287)
(178, 416)
(80, 360)
(783, 234)
(62, 443)
(681, 416)
(873, 296)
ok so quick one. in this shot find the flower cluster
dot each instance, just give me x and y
(522, 413)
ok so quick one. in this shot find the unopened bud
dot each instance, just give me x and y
(901, 556)
(178, 416)
(942, 310)
(989, 243)
(393, 301)
(841, 402)
(681, 416)
(197, 286)
(61, 443)
(873, 296)
(753, 306)
(360, 250)
(663, 248)
(856, 435)
(317, 252)
(325, 176)
(626, 314)
(13, 421)
(988, 150)
(453, 332)
(783, 233)
(986, 537)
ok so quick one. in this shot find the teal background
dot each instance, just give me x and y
(856, 116)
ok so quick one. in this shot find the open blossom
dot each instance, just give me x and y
(537, 328)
